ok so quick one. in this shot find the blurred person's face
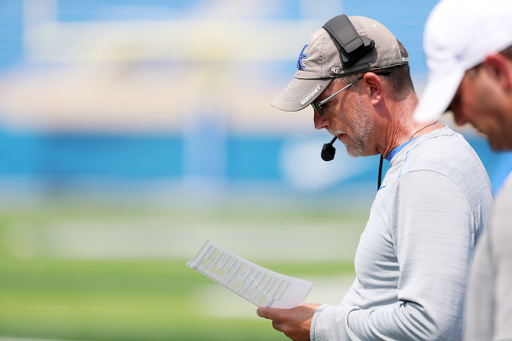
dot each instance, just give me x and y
(347, 116)
(484, 100)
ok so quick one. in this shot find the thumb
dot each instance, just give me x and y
(261, 311)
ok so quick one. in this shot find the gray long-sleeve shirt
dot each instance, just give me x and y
(413, 258)
(489, 299)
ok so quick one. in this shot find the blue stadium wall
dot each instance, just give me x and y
(65, 157)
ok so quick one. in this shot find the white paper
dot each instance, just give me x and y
(260, 286)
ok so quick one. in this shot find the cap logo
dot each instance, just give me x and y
(305, 100)
(334, 69)
(302, 56)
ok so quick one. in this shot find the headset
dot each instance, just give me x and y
(351, 46)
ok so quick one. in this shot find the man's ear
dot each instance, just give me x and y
(373, 85)
(498, 68)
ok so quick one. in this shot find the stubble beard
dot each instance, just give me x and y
(362, 128)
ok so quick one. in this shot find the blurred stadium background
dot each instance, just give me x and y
(133, 130)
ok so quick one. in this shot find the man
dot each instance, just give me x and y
(468, 46)
(413, 257)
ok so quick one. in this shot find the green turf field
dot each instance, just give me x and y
(58, 281)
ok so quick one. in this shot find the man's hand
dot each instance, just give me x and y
(294, 323)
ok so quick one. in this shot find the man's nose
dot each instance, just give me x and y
(320, 121)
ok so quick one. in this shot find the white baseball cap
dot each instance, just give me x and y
(460, 34)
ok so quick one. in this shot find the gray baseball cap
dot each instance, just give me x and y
(320, 61)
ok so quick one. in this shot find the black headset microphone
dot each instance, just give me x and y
(328, 150)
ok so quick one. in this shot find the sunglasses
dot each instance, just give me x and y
(318, 106)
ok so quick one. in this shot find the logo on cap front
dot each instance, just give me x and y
(302, 56)
(305, 100)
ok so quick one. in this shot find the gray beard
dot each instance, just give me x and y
(362, 128)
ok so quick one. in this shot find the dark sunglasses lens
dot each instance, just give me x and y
(317, 108)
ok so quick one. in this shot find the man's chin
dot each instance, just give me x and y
(497, 144)
(354, 152)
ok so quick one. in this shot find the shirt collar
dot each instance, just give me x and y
(398, 149)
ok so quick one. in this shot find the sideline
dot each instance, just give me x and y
(8, 338)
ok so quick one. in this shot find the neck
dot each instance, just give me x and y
(402, 127)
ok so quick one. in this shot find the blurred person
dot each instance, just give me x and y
(468, 46)
(413, 258)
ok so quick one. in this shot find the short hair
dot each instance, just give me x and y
(507, 52)
(399, 78)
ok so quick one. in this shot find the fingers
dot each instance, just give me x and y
(269, 313)
(277, 325)
(272, 314)
(261, 312)
(294, 323)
